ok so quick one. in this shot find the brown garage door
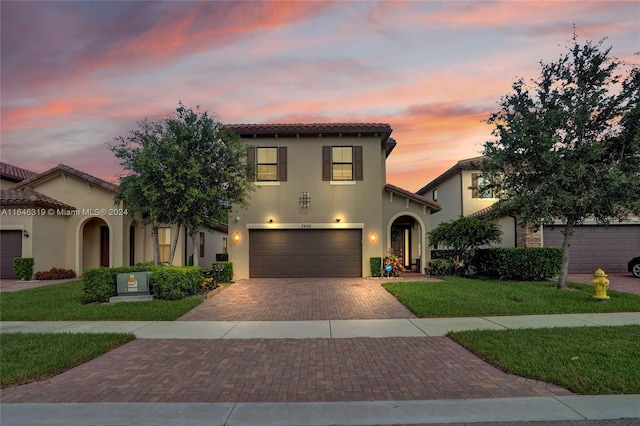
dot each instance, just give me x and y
(593, 247)
(10, 247)
(297, 253)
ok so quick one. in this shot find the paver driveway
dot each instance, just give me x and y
(278, 370)
(302, 299)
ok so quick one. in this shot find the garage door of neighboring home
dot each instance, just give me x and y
(299, 253)
(10, 247)
(593, 247)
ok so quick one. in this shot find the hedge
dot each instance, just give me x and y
(23, 267)
(101, 283)
(55, 274)
(522, 264)
(376, 266)
(176, 282)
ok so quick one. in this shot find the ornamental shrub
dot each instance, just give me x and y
(176, 282)
(55, 274)
(222, 272)
(23, 267)
(375, 263)
(439, 267)
(520, 263)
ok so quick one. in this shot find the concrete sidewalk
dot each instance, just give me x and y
(410, 327)
(559, 410)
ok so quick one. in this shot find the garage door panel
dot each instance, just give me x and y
(592, 247)
(305, 253)
(10, 247)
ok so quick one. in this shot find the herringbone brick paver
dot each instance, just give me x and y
(290, 299)
(278, 370)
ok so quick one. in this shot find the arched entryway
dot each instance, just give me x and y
(406, 240)
(95, 237)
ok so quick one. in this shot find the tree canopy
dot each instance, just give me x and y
(185, 170)
(567, 145)
(465, 234)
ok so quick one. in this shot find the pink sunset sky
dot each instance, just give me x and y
(77, 74)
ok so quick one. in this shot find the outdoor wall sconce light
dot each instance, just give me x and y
(373, 237)
(236, 237)
(305, 199)
(338, 219)
(270, 220)
(25, 233)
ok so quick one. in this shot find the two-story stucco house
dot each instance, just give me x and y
(322, 206)
(66, 218)
(592, 246)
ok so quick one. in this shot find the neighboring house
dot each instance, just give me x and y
(10, 175)
(322, 206)
(66, 218)
(592, 246)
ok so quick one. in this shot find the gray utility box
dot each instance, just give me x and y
(132, 283)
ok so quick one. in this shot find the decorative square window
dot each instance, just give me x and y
(202, 244)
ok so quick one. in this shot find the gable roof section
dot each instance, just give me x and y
(14, 173)
(66, 170)
(383, 130)
(413, 197)
(30, 198)
(466, 164)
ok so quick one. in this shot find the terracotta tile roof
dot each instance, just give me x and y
(413, 197)
(30, 198)
(466, 164)
(61, 168)
(310, 128)
(15, 174)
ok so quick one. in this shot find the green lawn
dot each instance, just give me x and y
(64, 302)
(28, 357)
(585, 360)
(464, 297)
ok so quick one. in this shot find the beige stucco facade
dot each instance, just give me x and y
(354, 204)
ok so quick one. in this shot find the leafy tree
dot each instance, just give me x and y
(568, 145)
(465, 234)
(185, 170)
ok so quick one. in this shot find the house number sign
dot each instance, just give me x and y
(306, 226)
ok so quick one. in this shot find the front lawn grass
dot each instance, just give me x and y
(585, 360)
(465, 297)
(64, 302)
(28, 357)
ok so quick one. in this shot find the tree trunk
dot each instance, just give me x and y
(156, 244)
(564, 266)
(174, 244)
(194, 248)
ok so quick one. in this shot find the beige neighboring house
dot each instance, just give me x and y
(322, 206)
(593, 246)
(66, 218)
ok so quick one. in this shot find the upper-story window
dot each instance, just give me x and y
(479, 184)
(342, 163)
(267, 164)
(270, 164)
(435, 195)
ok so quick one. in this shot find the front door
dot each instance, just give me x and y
(401, 243)
(104, 246)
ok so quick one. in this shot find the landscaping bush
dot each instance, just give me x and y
(522, 264)
(439, 267)
(55, 274)
(222, 276)
(101, 283)
(176, 282)
(23, 267)
(375, 263)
